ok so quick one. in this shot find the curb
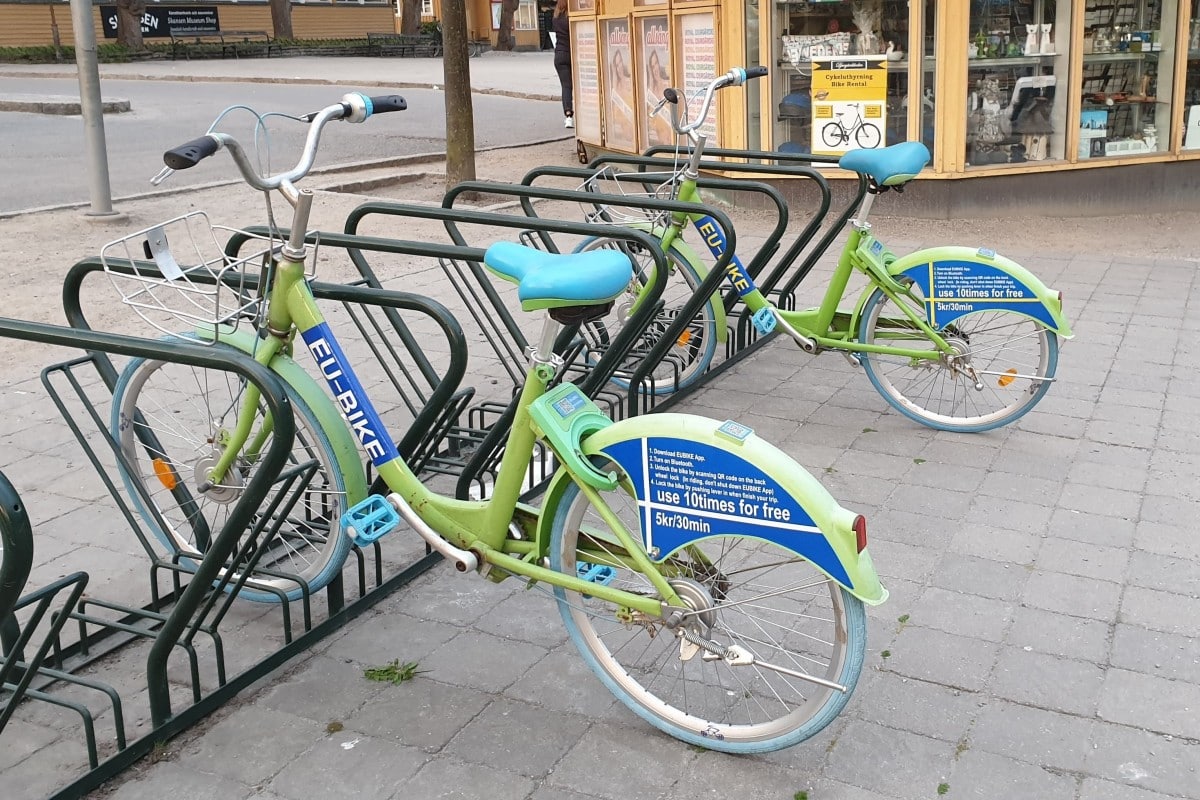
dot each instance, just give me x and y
(55, 104)
(314, 81)
(334, 169)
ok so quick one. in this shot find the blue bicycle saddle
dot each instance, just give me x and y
(553, 280)
(889, 166)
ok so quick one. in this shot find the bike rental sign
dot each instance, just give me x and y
(849, 103)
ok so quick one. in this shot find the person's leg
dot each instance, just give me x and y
(564, 78)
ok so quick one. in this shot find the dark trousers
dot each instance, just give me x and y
(564, 77)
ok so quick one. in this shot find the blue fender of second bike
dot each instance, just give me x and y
(961, 280)
(687, 254)
(695, 478)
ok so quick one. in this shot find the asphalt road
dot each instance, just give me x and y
(43, 160)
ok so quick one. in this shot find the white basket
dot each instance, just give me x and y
(191, 281)
(611, 182)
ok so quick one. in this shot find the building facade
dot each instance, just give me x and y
(993, 87)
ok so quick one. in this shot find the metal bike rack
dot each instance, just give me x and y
(641, 397)
(474, 446)
(743, 332)
(41, 652)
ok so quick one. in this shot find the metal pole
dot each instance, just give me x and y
(91, 108)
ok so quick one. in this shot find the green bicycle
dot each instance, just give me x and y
(955, 338)
(712, 584)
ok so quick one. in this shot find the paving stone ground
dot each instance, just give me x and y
(1041, 640)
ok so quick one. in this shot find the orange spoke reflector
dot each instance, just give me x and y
(166, 476)
(684, 338)
(1007, 377)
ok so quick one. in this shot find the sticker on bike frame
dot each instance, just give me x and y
(688, 491)
(349, 395)
(570, 404)
(714, 237)
(954, 288)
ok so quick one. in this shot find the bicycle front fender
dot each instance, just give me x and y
(345, 448)
(686, 254)
(959, 280)
(696, 478)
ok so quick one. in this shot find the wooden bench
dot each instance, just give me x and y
(237, 42)
(421, 45)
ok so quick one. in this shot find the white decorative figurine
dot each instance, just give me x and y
(1047, 41)
(1032, 48)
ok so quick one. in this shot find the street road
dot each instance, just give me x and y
(43, 160)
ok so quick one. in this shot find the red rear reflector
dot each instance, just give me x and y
(860, 532)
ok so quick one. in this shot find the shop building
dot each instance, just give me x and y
(1095, 102)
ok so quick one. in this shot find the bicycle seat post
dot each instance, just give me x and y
(545, 361)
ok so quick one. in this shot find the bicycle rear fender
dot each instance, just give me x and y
(959, 280)
(695, 478)
(345, 447)
(686, 253)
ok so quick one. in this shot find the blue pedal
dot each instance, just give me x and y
(370, 519)
(596, 573)
(764, 321)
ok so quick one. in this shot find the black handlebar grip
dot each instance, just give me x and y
(670, 95)
(190, 154)
(755, 72)
(388, 102)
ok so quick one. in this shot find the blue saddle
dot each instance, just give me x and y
(553, 280)
(889, 166)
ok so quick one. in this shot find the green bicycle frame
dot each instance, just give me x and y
(480, 526)
(826, 327)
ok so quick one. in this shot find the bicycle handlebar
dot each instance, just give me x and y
(734, 77)
(354, 107)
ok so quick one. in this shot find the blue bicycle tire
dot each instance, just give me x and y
(312, 524)
(885, 380)
(603, 650)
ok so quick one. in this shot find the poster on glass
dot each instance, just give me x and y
(654, 75)
(619, 118)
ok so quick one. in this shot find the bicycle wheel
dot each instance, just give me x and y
(833, 134)
(751, 594)
(1002, 365)
(187, 412)
(692, 350)
(867, 136)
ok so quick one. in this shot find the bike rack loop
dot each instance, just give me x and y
(452, 218)
(802, 240)
(711, 283)
(357, 244)
(256, 488)
(780, 168)
(389, 300)
(764, 252)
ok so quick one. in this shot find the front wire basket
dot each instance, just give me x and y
(631, 184)
(195, 284)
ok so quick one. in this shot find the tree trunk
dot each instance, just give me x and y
(129, 23)
(504, 37)
(281, 19)
(410, 20)
(460, 117)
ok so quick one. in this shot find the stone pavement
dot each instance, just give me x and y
(1041, 640)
